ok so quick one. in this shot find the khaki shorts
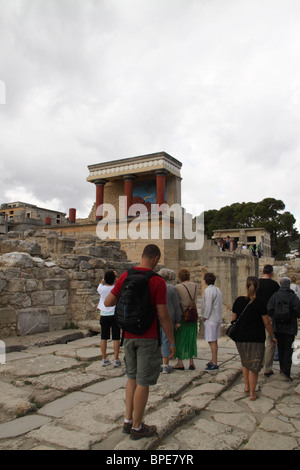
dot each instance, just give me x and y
(142, 360)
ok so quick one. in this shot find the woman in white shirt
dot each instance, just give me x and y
(211, 311)
(107, 320)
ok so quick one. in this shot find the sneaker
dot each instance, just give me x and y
(166, 369)
(211, 367)
(106, 362)
(145, 431)
(126, 428)
(117, 363)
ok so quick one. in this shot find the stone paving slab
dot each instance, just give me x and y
(193, 410)
(62, 438)
(57, 408)
(31, 367)
(68, 381)
(106, 386)
(21, 426)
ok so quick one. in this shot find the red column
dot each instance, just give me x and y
(160, 187)
(128, 190)
(99, 197)
(72, 216)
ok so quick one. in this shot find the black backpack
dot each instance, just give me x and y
(133, 311)
(282, 310)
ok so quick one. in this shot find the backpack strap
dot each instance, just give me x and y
(192, 299)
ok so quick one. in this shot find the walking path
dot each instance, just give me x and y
(55, 394)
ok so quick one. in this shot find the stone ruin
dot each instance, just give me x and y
(48, 282)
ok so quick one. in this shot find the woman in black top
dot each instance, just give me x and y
(252, 318)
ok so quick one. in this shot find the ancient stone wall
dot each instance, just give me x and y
(47, 285)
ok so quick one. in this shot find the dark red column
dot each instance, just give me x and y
(160, 187)
(99, 198)
(128, 190)
(72, 216)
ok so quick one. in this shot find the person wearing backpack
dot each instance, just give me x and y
(268, 287)
(284, 308)
(140, 300)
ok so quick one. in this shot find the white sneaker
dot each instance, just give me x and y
(166, 369)
(106, 362)
(117, 363)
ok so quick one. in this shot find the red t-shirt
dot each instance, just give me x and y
(158, 296)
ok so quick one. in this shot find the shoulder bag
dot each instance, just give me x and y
(190, 315)
(231, 330)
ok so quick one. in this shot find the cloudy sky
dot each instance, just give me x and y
(214, 83)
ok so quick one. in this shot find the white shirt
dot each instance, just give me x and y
(296, 289)
(104, 290)
(212, 304)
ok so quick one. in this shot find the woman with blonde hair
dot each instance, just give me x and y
(252, 320)
(186, 332)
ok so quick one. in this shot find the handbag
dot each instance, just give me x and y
(190, 315)
(231, 330)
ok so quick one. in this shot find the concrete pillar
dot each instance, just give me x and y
(99, 197)
(128, 190)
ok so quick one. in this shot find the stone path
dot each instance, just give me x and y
(55, 394)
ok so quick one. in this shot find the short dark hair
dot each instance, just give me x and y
(109, 277)
(209, 278)
(183, 274)
(151, 251)
(268, 269)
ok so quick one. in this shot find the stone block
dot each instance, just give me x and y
(57, 322)
(61, 297)
(42, 298)
(58, 283)
(14, 259)
(7, 315)
(21, 246)
(3, 284)
(32, 320)
(57, 310)
(16, 285)
(31, 285)
(80, 284)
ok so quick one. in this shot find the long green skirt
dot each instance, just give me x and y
(186, 340)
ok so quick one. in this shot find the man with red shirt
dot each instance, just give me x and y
(143, 352)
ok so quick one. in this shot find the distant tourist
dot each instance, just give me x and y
(107, 320)
(211, 312)
(175, 313)
(253, 319)
(186, 334)
(267, 287)
(259, 250)
(284, 308)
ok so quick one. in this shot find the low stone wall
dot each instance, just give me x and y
(40, 295)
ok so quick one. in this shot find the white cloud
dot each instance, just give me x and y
(213, 83)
